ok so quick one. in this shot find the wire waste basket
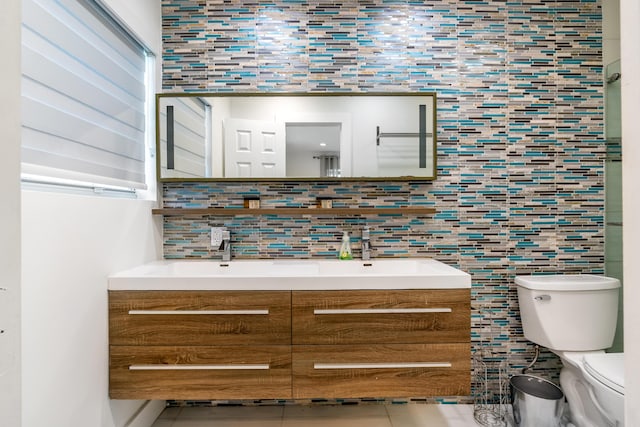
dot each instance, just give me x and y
(490, 382)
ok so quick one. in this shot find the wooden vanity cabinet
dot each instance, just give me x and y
(289, 344)
(391, 343)
(381, 316)
(200, 372)
(199, 345)
(199, 317)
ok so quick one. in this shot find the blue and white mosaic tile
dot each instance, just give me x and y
(520, 135)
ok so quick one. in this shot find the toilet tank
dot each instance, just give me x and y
(569, 312)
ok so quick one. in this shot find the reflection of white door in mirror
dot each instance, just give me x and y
(254, 149)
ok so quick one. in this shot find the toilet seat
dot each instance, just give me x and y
(607, 368)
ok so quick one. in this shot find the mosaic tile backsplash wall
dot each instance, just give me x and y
(520, 135)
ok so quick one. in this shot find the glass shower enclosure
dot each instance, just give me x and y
(613, 187)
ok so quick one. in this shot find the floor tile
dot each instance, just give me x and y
(232, 412)
(333, 411)
(337, 422)
(457, 415)
(170, 413)
(336, 416)
(238, 422)
(415, 415)
(389, 415)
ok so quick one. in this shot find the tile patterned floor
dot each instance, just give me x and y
(407, 415)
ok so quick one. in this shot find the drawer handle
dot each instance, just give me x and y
(381, 365)
(382, 310)
(229, 312)
(197, 367)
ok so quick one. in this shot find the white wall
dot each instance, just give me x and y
(70, 244)
(10, 381)
(630, 61)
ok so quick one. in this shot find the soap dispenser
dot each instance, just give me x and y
(345, 247)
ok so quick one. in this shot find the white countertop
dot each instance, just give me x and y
(291, 274)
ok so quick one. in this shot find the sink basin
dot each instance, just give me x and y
(242, 268)
(307, 274)
(384, 267)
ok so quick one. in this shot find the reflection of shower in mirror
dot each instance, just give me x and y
(329, 165)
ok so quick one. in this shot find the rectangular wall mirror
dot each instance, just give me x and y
(221, 136)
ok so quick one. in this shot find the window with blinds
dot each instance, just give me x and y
(83, 95)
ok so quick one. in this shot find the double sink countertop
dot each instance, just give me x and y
(291, 274)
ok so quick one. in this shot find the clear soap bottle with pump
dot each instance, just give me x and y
(345, 247)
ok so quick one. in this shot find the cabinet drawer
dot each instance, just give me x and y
(393, 316)
(199, 318)
(393, 370)
(227, 372)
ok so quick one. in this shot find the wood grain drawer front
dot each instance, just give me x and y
(381, 371)
(199, 317)
(233, 372)
(393, 316)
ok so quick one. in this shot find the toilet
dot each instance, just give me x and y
(575, 317)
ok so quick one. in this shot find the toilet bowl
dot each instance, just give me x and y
(605, 373)
(594, 386)
(575, 316)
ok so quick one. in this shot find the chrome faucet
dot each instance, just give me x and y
(366, 244)
(225, 245)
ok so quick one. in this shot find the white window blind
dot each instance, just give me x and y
(83, 95)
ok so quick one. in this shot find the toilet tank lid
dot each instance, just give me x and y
(567, 282)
